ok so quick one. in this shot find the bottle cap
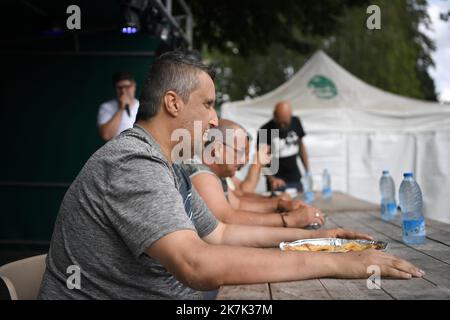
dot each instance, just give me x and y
(385, 171)
(408, 175)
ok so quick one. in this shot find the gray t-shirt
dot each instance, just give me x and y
(193, 167)
(125, 198)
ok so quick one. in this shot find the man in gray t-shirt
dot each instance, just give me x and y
(136, 229)
(105, 221)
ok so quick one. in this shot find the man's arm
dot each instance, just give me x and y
(109, 129)
(237, 202)
(203, 266)
(272, 204)
(269, 237)
(263, 206)
(304, 155)
(261, 159)
(210, 189)
(251, 180)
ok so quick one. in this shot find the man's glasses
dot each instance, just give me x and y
(239, 152)
(127, 86)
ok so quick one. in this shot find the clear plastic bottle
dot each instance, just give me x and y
(327, 192)
(308, 193)
(411, 204)
(387, 190)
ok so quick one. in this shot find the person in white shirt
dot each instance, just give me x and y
(119, 114)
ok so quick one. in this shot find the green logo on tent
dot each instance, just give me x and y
(322, 87)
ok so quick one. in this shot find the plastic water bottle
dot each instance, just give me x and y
(308, 193)
(387, 190)
(326, 185)
(411, 205)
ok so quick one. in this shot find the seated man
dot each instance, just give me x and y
(135, 228)
(221, 161)
(240, 194)
(247, 187)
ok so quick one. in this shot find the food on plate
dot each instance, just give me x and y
(332, 245)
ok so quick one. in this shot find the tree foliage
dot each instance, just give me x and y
(395, 58)
(258, 45)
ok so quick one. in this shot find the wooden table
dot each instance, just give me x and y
(433, 257)
(341, 202)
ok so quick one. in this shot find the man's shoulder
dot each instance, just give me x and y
(296, 119)
(110, 104)
(130, 146)
(194, 167)
(297, 125)
(268, 125)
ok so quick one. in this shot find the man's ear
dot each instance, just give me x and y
(172, 103)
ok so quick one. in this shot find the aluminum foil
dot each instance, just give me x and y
(336, 242)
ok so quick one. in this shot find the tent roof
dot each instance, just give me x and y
(328, 97)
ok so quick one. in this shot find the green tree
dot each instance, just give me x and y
(258, 45)
(395, 58)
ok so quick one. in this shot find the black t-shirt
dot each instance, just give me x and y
(286, 146)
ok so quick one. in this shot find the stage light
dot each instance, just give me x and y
(131, 15)
(129, 30)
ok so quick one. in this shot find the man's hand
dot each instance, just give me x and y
(304, 216)
(341, 233)
(355, 265)
(285, 196)
(290, 205)
(124, 100)
(276, 183)
(263, 156)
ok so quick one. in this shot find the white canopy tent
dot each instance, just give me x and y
(356, 130)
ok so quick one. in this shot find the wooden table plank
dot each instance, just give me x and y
(433, 257)
(438, 224)
(433, 248)
(245, 292)
(435, 230)
(357, 289)
(435, 284)
(353, 289)
(341, 202)
(299, 290)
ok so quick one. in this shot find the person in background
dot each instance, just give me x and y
(247, 186)
(221, 159)
(118, 114)
(286, 146)
(245, 189)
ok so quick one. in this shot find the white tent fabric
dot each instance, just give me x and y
(356, 130)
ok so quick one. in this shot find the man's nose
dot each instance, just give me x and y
(214, 120)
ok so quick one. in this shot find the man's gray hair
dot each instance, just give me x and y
(177, 71)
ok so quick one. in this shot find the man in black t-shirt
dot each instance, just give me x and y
(286, 147)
